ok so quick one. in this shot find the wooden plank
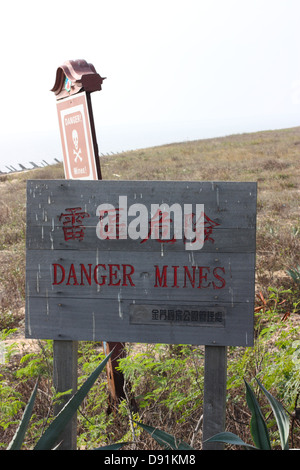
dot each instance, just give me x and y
(226, 204)
(197, 276)
(214, 406)
(110, 321)
(223, 240)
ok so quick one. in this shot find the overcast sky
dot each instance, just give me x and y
(184, 69)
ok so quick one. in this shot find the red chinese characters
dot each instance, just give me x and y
(209, 225)
(114, 225)
(73, 223)
(159, 226)
(160, 223)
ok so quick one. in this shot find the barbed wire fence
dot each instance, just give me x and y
(17, 168)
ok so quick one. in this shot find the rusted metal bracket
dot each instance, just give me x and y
(114, 377)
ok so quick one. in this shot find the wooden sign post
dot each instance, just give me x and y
(214, 406)
(144, 261)
(65, 355)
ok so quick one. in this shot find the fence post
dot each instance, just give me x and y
(65, 360)
(214, 408)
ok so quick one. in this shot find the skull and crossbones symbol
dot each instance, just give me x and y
(76, 151)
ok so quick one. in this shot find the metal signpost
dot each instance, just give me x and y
(144, 261)
(74, 83)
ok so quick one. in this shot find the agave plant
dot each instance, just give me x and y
(49, 439)
(258, 427)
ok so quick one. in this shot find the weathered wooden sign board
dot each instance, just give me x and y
(130, 261)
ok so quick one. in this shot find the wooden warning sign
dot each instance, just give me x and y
(141, 261)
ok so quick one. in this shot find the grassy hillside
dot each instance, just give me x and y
(271, 158)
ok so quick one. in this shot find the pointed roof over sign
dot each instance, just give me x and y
(75, 76)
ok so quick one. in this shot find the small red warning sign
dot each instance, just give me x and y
(76, 138)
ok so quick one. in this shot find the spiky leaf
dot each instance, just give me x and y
(50, 436)
(258, 427)
(164, 439)
(229, 438)
(17, 440)
(280, 416)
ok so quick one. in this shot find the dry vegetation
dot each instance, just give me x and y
(271, 158)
